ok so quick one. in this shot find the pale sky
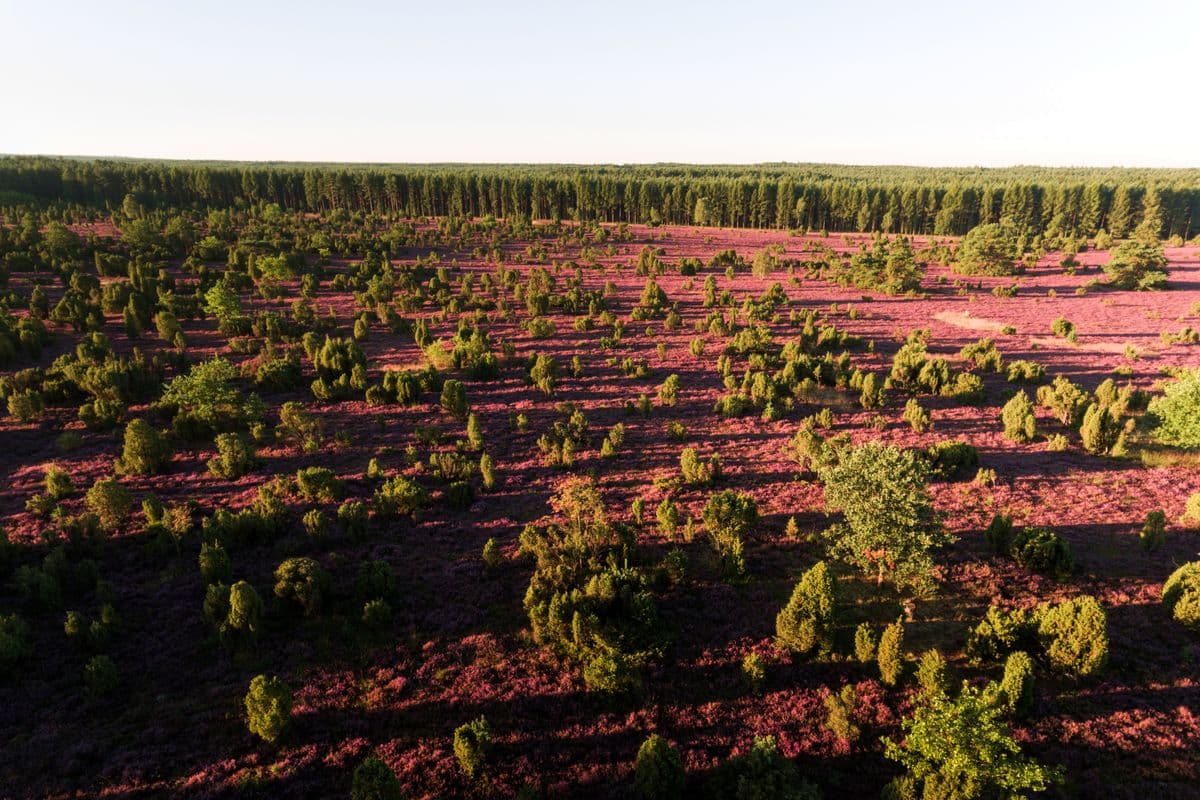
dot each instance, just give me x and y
(934, 83)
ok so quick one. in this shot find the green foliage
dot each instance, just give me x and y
(400, 496)
(581, 600)
(729, 517)
(1074, 636)
(961, 748)
(891, 528)
(999, 533)
(1000, 633)
(890, 654)
(695, 472)
(668, 392)
(989, 249)
(543, 374)
(492, 558)
(931, 675)
(839, 714)
(1181, 595)
(1015, 692)
(1177, 411)
(245, 609)
(760, 773)
(100, 675)
(374, 780)
(806, 622)
(1102, 431)
(1137, 265)
(234, 458)
(952, 459)
(890, 266)
(754, 670)
(1043, 550)
(487, 472)
(1020, 424)
(318, 484)
(1154, 531)
(215, 566)
(110, 501)
(454, 399)
(864, 643)
(205, 400)
(14, 643)
(268, 707)
(301, 582)
(658, 773)
(1065, 400)
(1025, 372)
(916, 416)
(146, 450)
(472, 741)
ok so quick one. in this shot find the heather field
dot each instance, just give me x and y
(487, 508)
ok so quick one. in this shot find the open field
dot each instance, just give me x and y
(458, 642)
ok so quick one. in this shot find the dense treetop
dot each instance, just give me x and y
(893, 199)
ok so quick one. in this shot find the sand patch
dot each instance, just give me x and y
(961, 319)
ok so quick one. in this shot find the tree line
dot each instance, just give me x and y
(904, 200)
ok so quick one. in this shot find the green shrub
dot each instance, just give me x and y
(759, 773)
(729, 517)
(658, 773)
(1181, 595)
(353, 516)
(472, 741)
(916, 416)
(1137, 265)
(374, 780)
(146, 450)
(492, 557)
(26, 405)
(931, 675)
(376, 580)
(1065, 400)
(318, 484)
(1015, 692)
(1000, 633)
(864, 643)
(1154, 531)
(1102, 431)
(1020, 424)
(890, 656)
(999, 533)
(245, 609)
(1177, 412)
(234, 457)
(952, 459)
(754, 670)
(100, 675)
(1074, 636)
(1043, 550)
(400, 496)
(14, 642)
(110, 501)
(695, 472)
(806, 622)
(839, 714)
(988, 249)
(487, 472)
(302, 582)
(1026, 372)
(668, 392)
(454, 399)
(215, 566)
(268, 707)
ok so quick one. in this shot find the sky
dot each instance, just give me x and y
(930, 83)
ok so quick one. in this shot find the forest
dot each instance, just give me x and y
(891, 200)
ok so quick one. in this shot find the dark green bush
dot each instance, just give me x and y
(658, 772)
(268, 707)
(300, 581)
